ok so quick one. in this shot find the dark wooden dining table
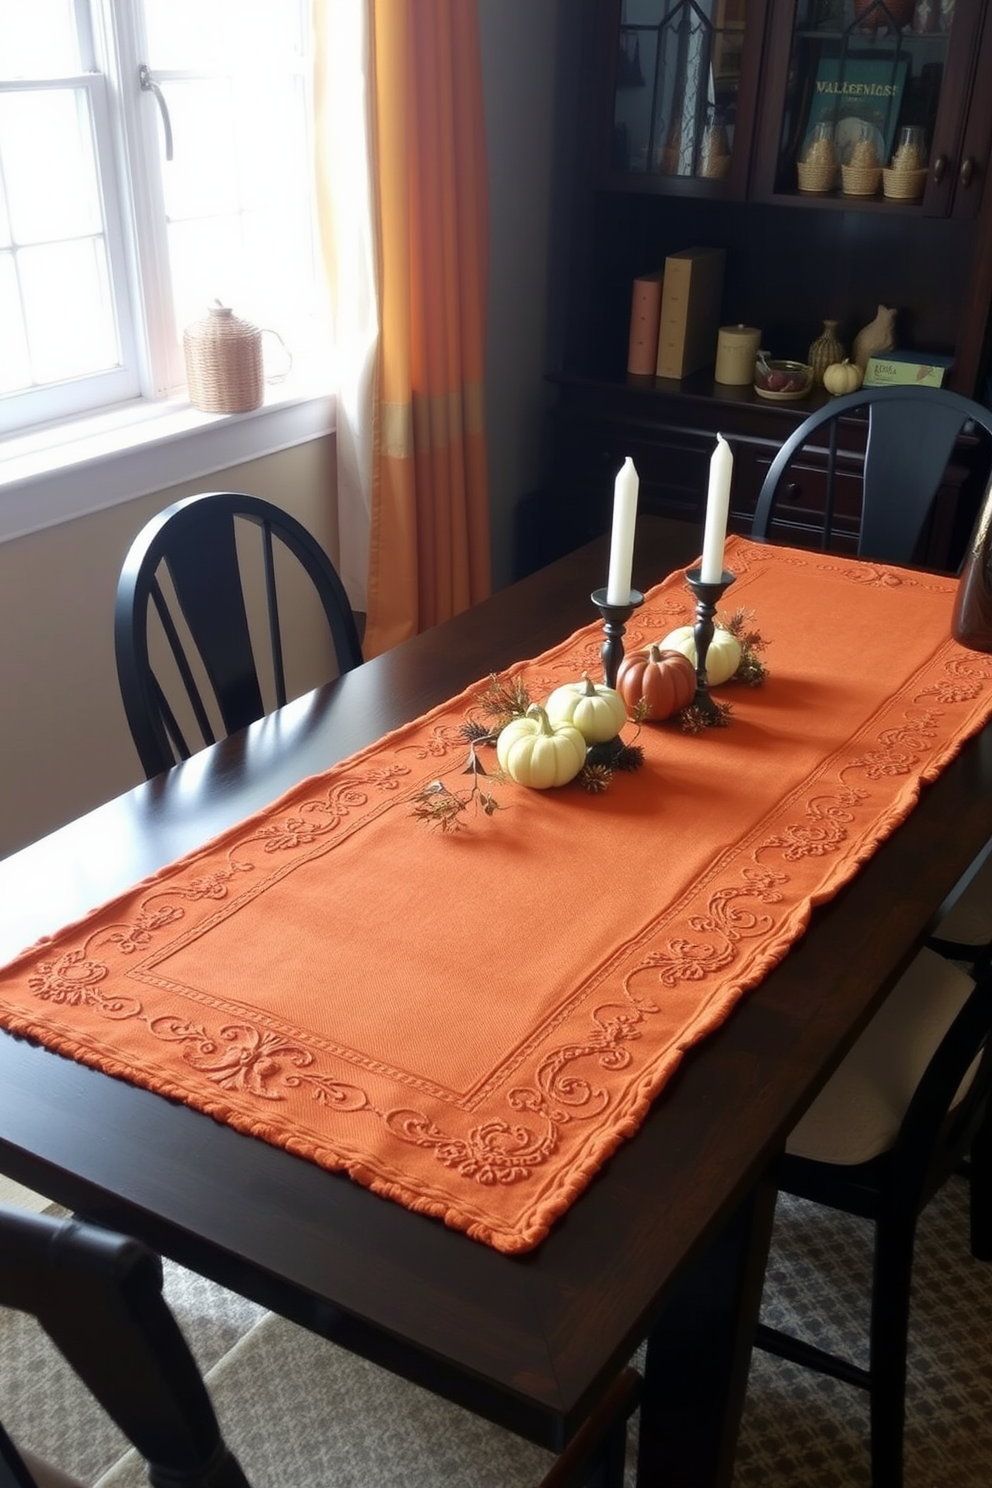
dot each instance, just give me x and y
(668, 1241)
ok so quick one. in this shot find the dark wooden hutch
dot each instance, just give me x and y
(792, 260)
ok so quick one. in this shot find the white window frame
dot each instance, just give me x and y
(117, 384)
(147, 437)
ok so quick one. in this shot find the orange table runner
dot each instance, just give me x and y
(470, 1023)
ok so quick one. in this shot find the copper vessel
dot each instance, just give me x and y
(971, 623)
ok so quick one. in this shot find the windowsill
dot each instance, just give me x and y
(64, 471)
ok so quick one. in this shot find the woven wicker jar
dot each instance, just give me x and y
(223, 362)
(825, 350)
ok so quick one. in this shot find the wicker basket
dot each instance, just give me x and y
(903, 185)
(860, 180)
(223, 362)
(816, 177)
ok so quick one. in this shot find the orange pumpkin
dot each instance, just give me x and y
(664, 681)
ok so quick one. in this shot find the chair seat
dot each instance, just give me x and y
(858, 1113)
(307, 1411)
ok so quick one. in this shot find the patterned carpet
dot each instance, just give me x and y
(274, 1384)
(802, 1430)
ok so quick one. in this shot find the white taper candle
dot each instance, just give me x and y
(622, 539)
(717, 512)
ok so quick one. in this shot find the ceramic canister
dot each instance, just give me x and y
(736, 350)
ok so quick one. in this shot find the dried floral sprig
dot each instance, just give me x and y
(751, 670)
(502, 701)
(694, 719)
(629, 757)
(440, 806)
(615, 754)
(478, 733)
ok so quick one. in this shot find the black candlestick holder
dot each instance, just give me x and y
(615, 617)
(708, 596)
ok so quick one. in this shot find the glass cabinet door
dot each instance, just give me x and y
(677, 91)
(873, 96)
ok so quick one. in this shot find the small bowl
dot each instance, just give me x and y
(782, 381)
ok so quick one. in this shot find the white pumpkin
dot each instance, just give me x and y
(597, 711)
(535, 752)
(842, 377)
(722, 659)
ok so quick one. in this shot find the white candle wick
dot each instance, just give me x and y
(622, 538)
(717, 512)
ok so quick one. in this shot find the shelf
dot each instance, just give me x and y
(695, 406)
(836, 201)
(905, 35)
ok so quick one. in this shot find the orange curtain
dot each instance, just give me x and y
(429, 542)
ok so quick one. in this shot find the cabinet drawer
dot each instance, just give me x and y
(802, 502)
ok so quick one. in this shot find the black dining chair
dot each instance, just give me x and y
(964, 933)
(98, 1296)
(889, 1127)
(822, 490)
(896, 1119)
(197, 656)
(816, 488)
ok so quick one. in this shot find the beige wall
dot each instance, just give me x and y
(64, 743)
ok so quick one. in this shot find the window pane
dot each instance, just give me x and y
(270, 128)
(45, 137)
(238, 202)
(283, 299)
(207, 264)
(38, 38)
(202, 178)
(68, 308)
(15, 366)
(236, 144)
(215, 35)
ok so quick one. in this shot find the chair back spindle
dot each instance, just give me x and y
(188, 568)
(910, 438)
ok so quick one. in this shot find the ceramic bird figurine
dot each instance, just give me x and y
(878, 336)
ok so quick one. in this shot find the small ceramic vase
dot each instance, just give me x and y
(878, 336)
(824, 350)
(971, 623)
